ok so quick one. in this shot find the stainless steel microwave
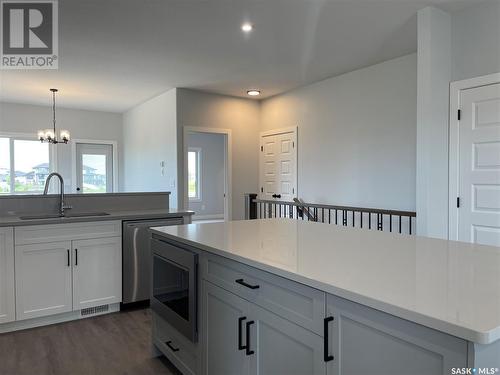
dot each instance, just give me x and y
(174, 286)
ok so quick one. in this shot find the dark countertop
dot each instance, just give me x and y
(14, 221)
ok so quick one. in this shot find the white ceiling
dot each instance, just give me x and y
(114, 54)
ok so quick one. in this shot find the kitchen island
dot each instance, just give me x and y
(286, 296)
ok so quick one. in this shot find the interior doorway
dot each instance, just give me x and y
(207, 173)
(475, 160)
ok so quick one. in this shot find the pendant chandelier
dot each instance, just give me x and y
(50, 135)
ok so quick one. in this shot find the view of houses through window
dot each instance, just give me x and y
(24, 166)
(94, 173)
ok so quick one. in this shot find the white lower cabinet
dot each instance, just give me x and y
(240, 337)
(81, 270)
(7, 288)
(43, 279)
(96, 272)
(366, 341)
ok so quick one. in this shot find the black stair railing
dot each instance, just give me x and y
(358, 217)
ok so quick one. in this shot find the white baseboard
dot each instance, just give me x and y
(52, 319)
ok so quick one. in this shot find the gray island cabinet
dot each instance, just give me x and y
(286, 297)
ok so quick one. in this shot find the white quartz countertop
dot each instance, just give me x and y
(450, 286)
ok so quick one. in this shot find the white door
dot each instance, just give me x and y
(94, 168)
(479, 166)
(7, 298)
(97, 272)
(278, 166)
(43, 279)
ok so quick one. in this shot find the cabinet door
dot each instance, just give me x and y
(97, 272)
(282, 347)
(7, 299)
(43, 279)
(222, 314)
(366, 341)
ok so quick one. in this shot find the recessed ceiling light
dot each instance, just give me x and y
(247, 27)
(253, 92)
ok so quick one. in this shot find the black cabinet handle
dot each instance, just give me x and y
(242, 282)
(169, 344)
(240, 329)
(69, 264)
(276, 195)
(76, 257)
(247, 348)
(326, 356)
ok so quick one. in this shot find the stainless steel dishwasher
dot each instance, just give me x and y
(137, 257)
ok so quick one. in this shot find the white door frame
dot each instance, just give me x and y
(228, 161)
(290, 129)
(114, 144)
(454, 161)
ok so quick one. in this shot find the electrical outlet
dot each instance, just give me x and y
(162, 168)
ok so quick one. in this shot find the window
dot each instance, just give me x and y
(24, 165)
(194, 174)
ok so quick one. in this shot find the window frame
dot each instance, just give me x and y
(25, 137)
(198, 152)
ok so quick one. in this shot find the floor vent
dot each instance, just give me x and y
(95, 310)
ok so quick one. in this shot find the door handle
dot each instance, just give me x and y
(76, 257)
(170, 346)
(240, 329)
(69, 264)
(242, 282)
(247, 348)
(326, 356)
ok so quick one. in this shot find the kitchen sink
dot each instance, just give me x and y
(66, 215)
(85, 214)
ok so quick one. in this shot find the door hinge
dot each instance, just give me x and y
(261, 189)
(458, 202)
(261, 148)
(459, 114)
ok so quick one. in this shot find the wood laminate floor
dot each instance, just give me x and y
(118, 343)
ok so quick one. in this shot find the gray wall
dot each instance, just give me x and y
(476, 40)
(83, 124)
(212, 174)
(241, 116)
(356, 137)
(150, 138)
